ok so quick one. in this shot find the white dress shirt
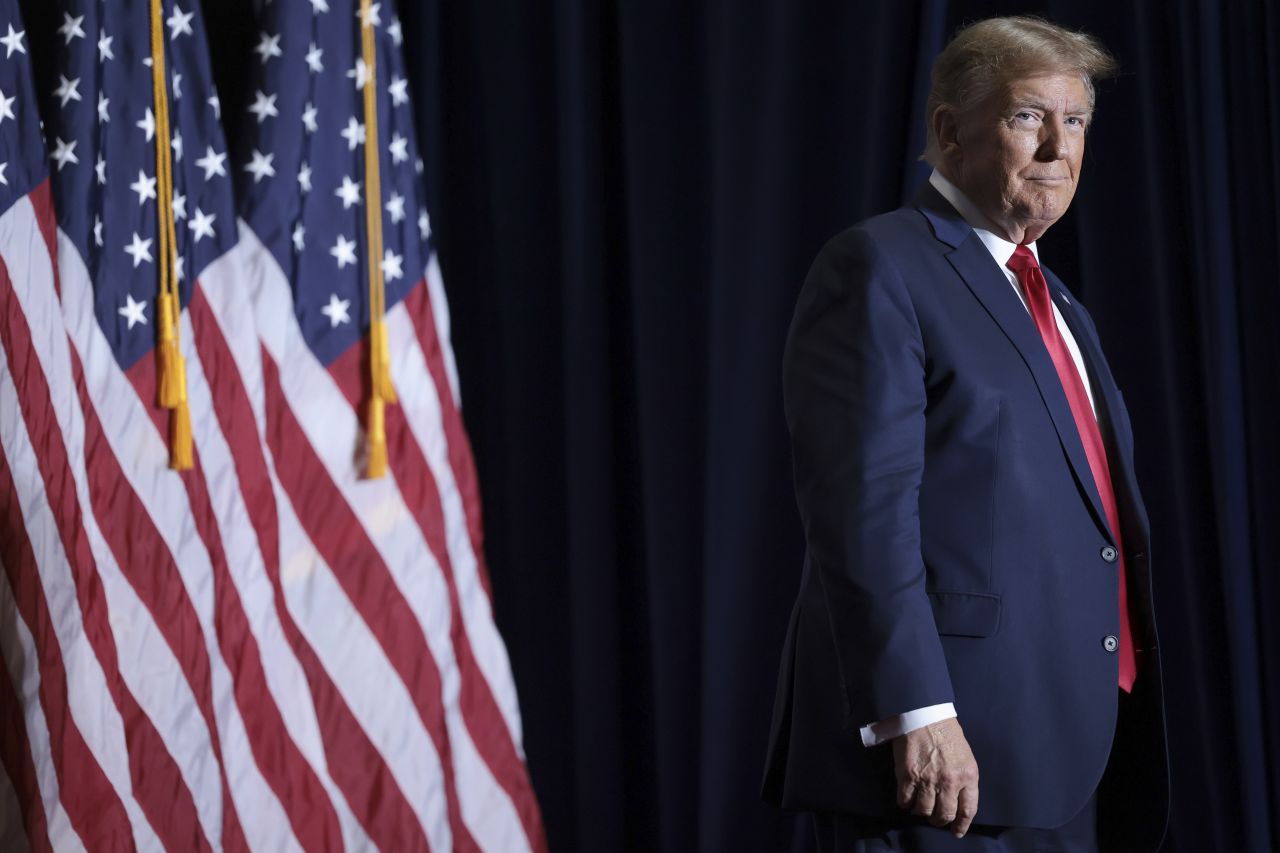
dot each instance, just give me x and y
(1001, 250)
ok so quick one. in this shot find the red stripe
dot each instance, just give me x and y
(341, 541)
(93, 806)
(418, 487)
(41, 199)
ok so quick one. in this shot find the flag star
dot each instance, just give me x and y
(100, 169)
(260, 167)
(104, 46)
(177, 87)
(179, 206)
(146, 61)
(397, 35)
(418, 166)
(179, 23)
(3, 179)
(176, 143)
(97, 231)
(201, 225)
(309, 118)
(179, 267)
(13, 42)
(399, 148)
(145, 187)
(304, 178)
(133, 311)
(318, 6)
(354, 134)
(360, 72)
(263, 105)
(399, 91)
(424, 224)
(147, 125)
(212, 162)
(390, 265)
(71, 28)
(299, 237)
(6, 107)
(370, 18)
(313, 59)
(268, 47)
(64, 153)
(336, 310)
(344, 251)
(349, 192)
(139, 250)
(68, 90)
(395, 207)
(103, 102)
(217, 106)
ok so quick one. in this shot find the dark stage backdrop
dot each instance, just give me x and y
(627, 197)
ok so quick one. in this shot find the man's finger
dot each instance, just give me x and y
(944, 807)
(925, 797)
(966, 809)
(906, 792)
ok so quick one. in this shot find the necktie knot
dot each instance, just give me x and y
(1022, 260)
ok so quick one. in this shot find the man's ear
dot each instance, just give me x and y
(947, 131)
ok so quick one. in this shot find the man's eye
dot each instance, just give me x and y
(1025, 116)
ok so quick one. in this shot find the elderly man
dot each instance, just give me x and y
(971, 662)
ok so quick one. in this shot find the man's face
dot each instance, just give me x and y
(1018, 154)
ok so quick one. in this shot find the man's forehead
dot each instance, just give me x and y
(1049, 90)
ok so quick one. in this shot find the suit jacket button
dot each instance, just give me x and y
(1109, 554)
(1110, 643)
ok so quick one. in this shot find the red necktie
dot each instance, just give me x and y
(1024, 265)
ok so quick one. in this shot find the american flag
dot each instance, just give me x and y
(268, 651)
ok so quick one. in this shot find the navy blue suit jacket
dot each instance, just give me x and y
(955, 538)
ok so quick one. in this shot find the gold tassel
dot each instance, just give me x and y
(181, 457)
(380, 352)
(376, 435)
(170, 357)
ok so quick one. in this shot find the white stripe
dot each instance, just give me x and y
(440, 314)
(332, 429)
(88, 702)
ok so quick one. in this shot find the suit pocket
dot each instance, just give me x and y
(965, 614)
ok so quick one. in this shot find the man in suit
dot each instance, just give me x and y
(971, 662)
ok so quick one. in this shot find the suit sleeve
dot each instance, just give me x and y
(854, 391)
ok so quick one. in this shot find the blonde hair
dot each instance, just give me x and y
(983, 56)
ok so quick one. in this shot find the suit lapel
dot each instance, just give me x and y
(975, 266)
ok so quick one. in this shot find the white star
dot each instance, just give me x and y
(370, 18)
(399, 91)
(147, 125)
(349, 192)
(344, 251)
(318, 6)
(390, 265)
(399, 148)
(313, 59)
(201, 225)
(179, 23)
(261, 167)
(139, 250)
(360, 73)
(176, 143)
(145, 187)
(212, 162)
(336, 310)
(97, 231)
(263, 106)
(304, 178)
(216, 104)
(299, 238)
(179, 206)
(71, 28)
(309, 118)
(68, 90)
(354, 134)
(133, 311)
(179, 267)
(177, 87)
(104, 46)
(64, 153)
(13, 42)
(3, 179)
(395, 207)
(418, 166)
(6, 107)
(268, 47)
(103, 101)
(397, 35)
(424, 224)
(146, 61)
(100, 169)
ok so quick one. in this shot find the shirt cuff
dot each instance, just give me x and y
(892, 727)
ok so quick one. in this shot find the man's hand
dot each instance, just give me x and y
(937, 775)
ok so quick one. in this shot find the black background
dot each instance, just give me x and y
(626, 198)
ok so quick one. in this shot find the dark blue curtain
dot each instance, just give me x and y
(627, 197)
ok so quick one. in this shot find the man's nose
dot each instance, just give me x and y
(1053, 140)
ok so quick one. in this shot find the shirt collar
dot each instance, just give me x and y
(1000, 248)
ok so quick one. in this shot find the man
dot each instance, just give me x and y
(971, 662)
